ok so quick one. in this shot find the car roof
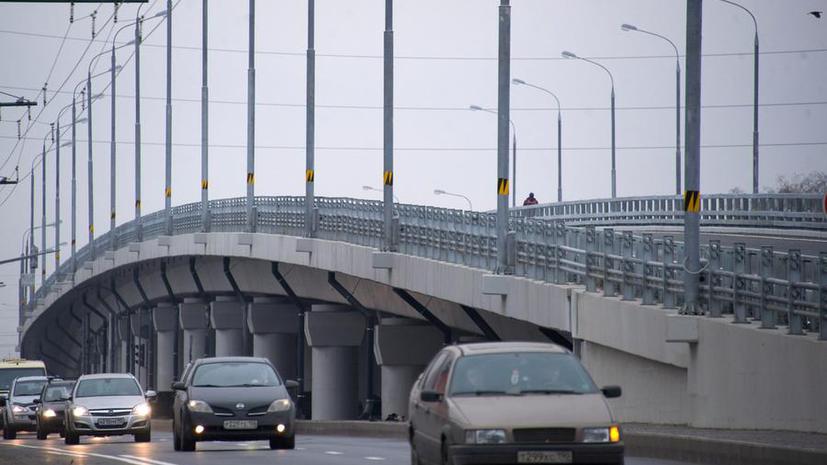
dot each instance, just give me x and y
(106, 376)
(478, 348)
(31, 378)
(62, 382)
(204, 360)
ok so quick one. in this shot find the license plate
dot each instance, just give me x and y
(552, 456)
(240, 424)
(110, 421)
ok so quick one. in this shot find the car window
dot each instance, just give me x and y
(55, 393)
(437, 378)
(437, 360)
(28, 388)
(8, 375)
(234, 374)
(520, 373)
(100, 387)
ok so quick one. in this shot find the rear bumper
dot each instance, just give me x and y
(507, 453)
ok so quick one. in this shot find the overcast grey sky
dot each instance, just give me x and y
(445, 61)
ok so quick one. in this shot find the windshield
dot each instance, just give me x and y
(520, 373)
(108, 387)
(28, 388)
(8, 375)
(235, 374)
(55, 393)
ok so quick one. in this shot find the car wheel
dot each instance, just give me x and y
(41, 434)
(71, 438)
(9, 433)
(187, 441)
(145, 436)
(283, 443)
(414, 457)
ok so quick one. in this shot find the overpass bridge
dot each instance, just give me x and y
(353, 321)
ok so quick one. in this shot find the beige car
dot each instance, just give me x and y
(511, 402)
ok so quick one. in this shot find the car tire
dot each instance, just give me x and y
(9, 433)
(283, 443)
(187, 442)
(145, 436)
(71, 438)
(42, 434)
(415, 457)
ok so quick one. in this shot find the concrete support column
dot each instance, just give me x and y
(403, 348)
(227, 318)
(334, 332)
(123, 346)
(139, 330)
(274, 324)
(193, 319)
(165, 322)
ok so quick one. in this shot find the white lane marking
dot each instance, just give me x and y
(156, 462)
(86, 454)
(333, 452)
(374, 458)
(300, 448)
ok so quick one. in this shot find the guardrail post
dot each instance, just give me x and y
(715, 307)
(767, 288)
(793, 292)
(739, 306)
(591, 285)
(822, 305)
(628, 266)
(609, 287)
(647, 268)
(668, 261)
(559, 253)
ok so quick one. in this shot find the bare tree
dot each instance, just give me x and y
(812, 182)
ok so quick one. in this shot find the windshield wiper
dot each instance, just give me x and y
(482, 392)
(549, 391)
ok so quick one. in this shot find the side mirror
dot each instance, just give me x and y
(151, 394)
(179, 386)
(611, 392)
(36, 401)
(430, 396)
(66, 399)
(291, 384)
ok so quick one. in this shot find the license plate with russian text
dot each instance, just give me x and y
(240, 424)
(114, 421)
(554, 456)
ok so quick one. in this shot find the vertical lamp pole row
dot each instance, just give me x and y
(387, 172)
(138, 224)
(503, 108)
(168, 144)
(691, 227)
(90, 174)
(310, 113)
(112, 159)
(251, 120)
(205, 179)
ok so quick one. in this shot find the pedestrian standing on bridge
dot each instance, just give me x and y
(530, 200)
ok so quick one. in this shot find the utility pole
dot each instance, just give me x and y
(205, 178)
(310, 114)
(168, 144)
(691, 225)
(503, 118)
(251, 120)
(387, 170)
(90, 174)
(138, 23)
(113, 242)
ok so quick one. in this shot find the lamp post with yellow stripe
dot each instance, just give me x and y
(310, 115)
(251, 119)
(692, 201)
(387, 171)
(504, 263)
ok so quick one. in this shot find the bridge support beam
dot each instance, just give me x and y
(165, 323)
(193, 320)
(274, 325)
(403, 348)
(227, 318)
(334, 332)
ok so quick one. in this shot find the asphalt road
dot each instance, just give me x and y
(310, 450)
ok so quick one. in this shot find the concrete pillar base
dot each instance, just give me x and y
(227, 318)
(192, 316)
(274, 325)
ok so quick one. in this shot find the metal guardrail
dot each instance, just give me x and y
(773, 287)
(791, 211)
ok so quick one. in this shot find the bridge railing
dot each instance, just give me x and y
(771, 286)
(795, 211)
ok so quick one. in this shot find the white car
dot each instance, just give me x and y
(108, 405)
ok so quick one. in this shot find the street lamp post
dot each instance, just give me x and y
(631, 28)
(754, 97)
(310, 126)
(205, 107)
(612, 79)
(559, 135)
(513, 150)
(452, 194)
(251, 118)
(387, 128)
(374, 189)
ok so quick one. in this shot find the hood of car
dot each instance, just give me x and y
(24, 400)
(113, 402)
(57, 406)
(531, 411)
(231, 397)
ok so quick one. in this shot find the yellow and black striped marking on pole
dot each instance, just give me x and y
(251, 178)
(502, 186)
(138, 203)
(388, 178)
(309, 175)
(92, 228)
(692, 201)
(205, 184)
(112, 215)
(168, 192)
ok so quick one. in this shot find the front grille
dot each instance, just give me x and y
(256, 411)
(110, 412)
(222, 411)
(544, 435)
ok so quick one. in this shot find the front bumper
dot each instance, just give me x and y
(23, 422)
(90, 425)
(214, 426)
(507, 453)
(52, 424)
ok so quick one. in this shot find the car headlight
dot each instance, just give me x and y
(49, 413)
(18, 409)
(485, 436)
(199, 406)
(280, 405)
(607, 434)
(80, 411)
(141, 409)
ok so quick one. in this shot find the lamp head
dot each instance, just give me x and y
(517, 81)
(628, 27)
(475, 107)
(438, 191)
(160, 13)
(567, 54)
(367, 188)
